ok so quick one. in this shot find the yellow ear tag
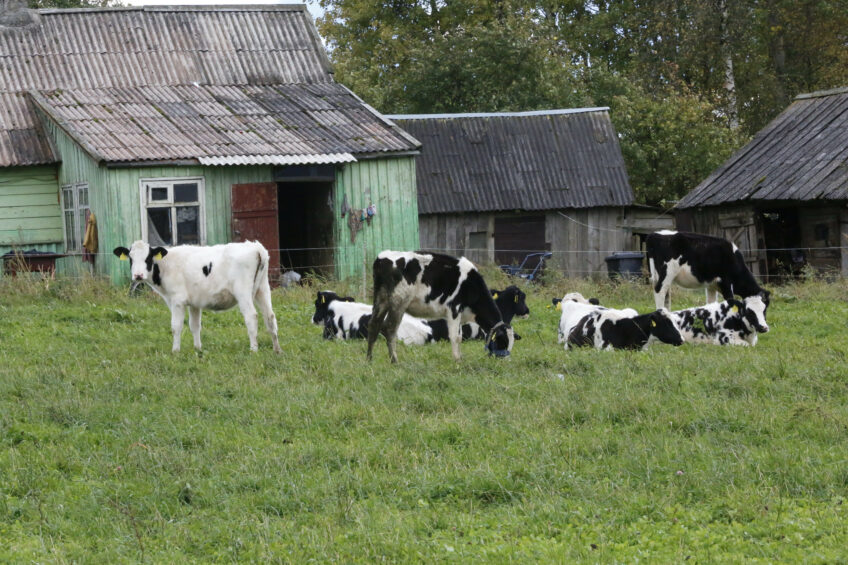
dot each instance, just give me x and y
(653, 323)
(323, 299)
(559, 306)
(734, 309)
(516, 299)
(123, 257)
(158, 256)
(495, 296)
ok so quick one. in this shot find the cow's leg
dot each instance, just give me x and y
(662, 277)
(194, 315)
(177, 319)
(375, 325)
(251, 318)
(390, 328)
(455, 334)
(263, 297)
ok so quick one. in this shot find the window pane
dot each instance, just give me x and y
(187, 225)
(159, 193)
(70, 230)
(68, 198)
(185, 192)
(82, 200)
(159, 230)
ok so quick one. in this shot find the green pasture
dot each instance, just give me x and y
(114, 450)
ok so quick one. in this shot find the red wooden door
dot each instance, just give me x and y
(255, 218)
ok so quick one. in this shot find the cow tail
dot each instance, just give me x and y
(261, 269)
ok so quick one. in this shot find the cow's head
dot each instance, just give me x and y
(664, 328)
(500, 339)
(753, 309)
(142, 258)
(512, 299)
(322, 305)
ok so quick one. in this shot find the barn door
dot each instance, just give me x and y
(741, 230)
(518, 236)
(255, 218)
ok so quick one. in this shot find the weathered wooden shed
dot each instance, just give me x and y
(497, 186)
(782, 197)
(197, 125)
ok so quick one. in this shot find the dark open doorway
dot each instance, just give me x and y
(306, 226)
(781, 230)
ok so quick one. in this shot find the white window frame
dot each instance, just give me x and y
(79, 216)
(144, 186)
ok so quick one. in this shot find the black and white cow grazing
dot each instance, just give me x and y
(207, 278)
(609, 329)
(724, 323)
(693, 260)
(511, 302)
(434, 286)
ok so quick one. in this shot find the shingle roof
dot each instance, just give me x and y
(80, 55)
(218, 123)
(801, 155)
(518, 160)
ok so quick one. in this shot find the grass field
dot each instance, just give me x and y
(113, 450)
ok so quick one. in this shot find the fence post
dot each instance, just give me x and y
(364, 272)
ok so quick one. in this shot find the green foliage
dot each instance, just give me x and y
(112, 449)
(663, 64)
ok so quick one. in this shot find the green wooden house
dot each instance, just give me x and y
(197, 125)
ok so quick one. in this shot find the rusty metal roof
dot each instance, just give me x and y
(801, 155)
(221, 124)
(124, 54)
(541, 160)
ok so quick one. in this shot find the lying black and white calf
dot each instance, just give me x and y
(343, 318)
(574, 307)
(433, 286)
(605, 328)
(724, 323)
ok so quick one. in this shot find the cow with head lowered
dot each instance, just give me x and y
(206, 278)
(430, 285)
(693, 260)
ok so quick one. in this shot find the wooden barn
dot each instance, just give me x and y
(782, 197)
(197, 125)
(498, 186)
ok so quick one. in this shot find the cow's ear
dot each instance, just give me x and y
(556, 301)
(158, 252)
(517, 337)
(765, 294)
(493, 292)
(595, 301)
(121, 253)
(735, 305)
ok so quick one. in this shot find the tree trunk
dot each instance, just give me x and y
(778, 56)
(731, 103)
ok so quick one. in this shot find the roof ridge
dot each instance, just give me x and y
(554, 112)
(821, 93)
(180, 8)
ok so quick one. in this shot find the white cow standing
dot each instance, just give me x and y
(207, 278)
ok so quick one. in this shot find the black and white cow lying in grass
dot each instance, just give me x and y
(206, 278)
(606, 328)
(724, 323)
(344, 318)
(434, 286)
(693, 260)
(574, 306)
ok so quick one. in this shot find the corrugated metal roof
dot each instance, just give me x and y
(111, 51)
(236, 123)
(323, 159)
(801, 155)
(525, 160)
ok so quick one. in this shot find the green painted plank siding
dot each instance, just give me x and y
(30, 216)
(389, 183)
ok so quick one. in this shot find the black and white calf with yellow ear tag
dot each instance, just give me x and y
(217, 277)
